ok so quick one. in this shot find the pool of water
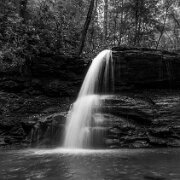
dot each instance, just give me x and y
(62, 164)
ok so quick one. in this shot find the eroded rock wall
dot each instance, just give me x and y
(146, 68)
(56, 76)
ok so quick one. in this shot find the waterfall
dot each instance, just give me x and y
(98, 81)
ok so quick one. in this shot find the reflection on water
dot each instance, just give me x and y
(60, 164)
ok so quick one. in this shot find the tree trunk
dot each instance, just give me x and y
(137, 14)
(164, 23)
(175, 19)
(162, 31)
(22, 9)
(121, 22)
(105, 19)
(86, 26)
(140, 6)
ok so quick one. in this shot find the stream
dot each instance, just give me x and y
(62, 164)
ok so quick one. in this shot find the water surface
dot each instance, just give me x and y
(62, 164)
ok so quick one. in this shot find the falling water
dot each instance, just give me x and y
(99, 80)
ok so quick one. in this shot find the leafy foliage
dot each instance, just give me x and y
(46, 27)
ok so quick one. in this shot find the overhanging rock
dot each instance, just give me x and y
(145, 68)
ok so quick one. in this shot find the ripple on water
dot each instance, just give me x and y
(54, 164)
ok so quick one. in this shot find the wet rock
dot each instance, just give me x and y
(2, 142)
(112, 142)
(51, 110)
(154, 177)
(36, 83)
(47, 130)
(140, 144)
(161, 132)
(138, 123)
(115, 131)
(26, 121)
(173, 142)
(10, 86)
(56, 88)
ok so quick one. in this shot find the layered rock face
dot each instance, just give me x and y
(138, 119)
(63, 75)
(146, 119)
(55, 76)
(144, 112)
(146, 68)
(31, 121)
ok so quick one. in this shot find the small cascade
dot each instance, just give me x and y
(81, 128)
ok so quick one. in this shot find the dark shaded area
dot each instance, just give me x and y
(50, 75)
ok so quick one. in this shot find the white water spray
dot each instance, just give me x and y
(99, 80)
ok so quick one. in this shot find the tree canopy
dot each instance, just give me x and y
(82, 27)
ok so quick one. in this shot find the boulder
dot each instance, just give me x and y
(46, 131)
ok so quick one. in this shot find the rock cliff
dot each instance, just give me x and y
(143, 112)
(146, 68)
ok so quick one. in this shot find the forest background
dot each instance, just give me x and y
(83, 28)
